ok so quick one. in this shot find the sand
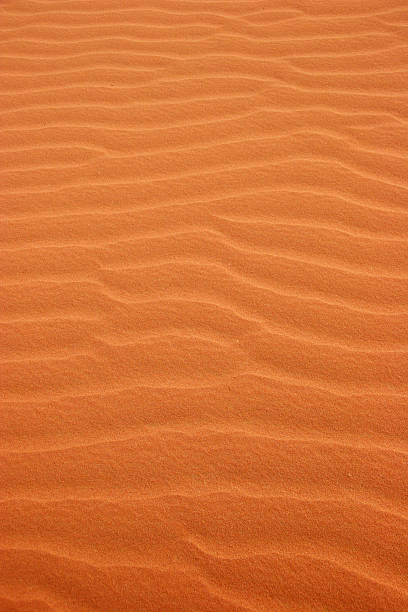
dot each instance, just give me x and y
(204, 306)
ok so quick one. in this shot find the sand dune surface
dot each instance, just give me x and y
(204, 306)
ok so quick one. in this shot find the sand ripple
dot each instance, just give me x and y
(204, 306)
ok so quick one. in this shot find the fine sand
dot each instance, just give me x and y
(204, 306)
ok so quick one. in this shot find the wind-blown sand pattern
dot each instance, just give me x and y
(204, 306)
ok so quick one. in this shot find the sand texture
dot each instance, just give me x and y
(204, 306)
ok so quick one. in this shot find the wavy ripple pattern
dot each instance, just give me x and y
(203, 306)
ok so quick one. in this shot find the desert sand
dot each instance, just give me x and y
(204, 306)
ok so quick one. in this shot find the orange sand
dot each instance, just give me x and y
(204, 306)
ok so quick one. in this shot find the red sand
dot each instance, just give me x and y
(204, 306)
